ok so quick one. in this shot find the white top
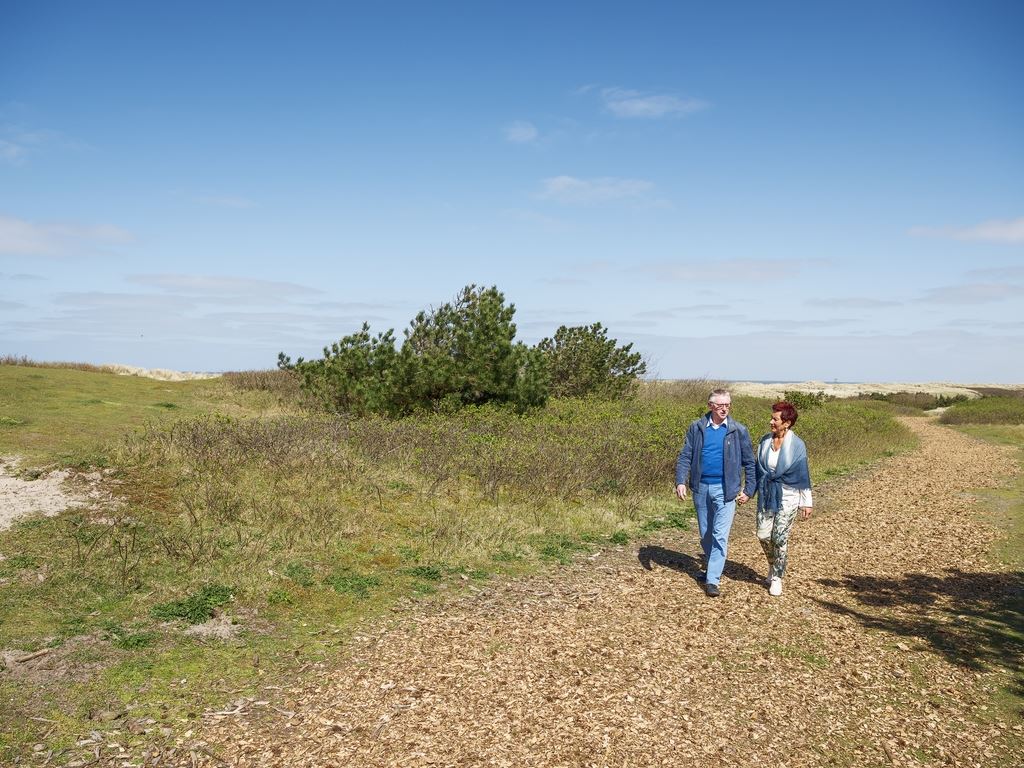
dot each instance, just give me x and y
(791, 497)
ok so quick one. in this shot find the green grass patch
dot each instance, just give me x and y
(986, 410)
(196, 608)
(353, 583)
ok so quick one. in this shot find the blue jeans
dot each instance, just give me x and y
(714, 520)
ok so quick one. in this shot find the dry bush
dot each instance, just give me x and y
(283, 383)
(680, 390)
(28, 362)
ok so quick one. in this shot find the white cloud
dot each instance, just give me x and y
(222, 285)
(11, 153)
(994, 231)
(972, 293)
(853, 302)
(623, 102)
(18, 143)
(569, 189)
(521, 132)
(226, 201)
(541, 220)
(25, 238)
(673, 312)
(998, 273)
(732, 270)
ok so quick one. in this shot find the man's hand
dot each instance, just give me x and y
(742, 498)
(681, 491)
(805, 512)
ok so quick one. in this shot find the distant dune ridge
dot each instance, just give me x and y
(750, 388)
(776, 389)
(161, 374)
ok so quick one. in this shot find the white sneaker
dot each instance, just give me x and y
(776, 587)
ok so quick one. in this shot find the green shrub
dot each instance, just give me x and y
(986, 410)
(804, 401)
(923, 401)
(461, 353)
(583, 361)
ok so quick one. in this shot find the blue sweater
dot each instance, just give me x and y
(711, 461)
(737, 458)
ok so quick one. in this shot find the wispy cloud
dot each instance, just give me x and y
(25, 238)
(731, 270)
(4, 305)
(852, 302)
(971, 293)
(226, 201)
(521, 132)
(626, 103)
(18, 143)
(571, 190)
(682, 311)
(993, 231)
(998, 273)
(223, 285)
(20, 276)
(535, 218)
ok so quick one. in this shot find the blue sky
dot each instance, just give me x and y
(779, 191)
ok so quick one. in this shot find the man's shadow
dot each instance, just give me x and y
(651, 555)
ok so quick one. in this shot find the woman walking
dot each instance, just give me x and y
(783, 489)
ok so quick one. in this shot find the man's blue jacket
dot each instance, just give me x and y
(737, 453)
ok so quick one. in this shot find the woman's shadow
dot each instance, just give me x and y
(651, 555)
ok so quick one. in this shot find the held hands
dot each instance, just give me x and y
(805, 512)
(742, 498)
(681, 491)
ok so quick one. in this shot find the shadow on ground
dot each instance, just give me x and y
(974, 620)
(651, 555)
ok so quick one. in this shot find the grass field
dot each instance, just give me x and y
(293, 527)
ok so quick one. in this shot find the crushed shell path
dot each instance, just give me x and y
(622, 661)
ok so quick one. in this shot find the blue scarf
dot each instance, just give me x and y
(791, 470)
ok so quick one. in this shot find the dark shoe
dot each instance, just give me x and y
(711, 590)
(702, 576)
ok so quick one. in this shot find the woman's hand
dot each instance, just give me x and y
(805, 512)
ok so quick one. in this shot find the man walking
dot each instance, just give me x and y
(714, 453)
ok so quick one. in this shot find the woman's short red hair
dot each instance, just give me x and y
(787, 410)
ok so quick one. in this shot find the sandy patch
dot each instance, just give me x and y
(65, 663)
(161, 374)
(48, 495)
(758, 389)
(220, 627)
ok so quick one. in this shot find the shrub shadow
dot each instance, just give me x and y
(973, 620)
(651, 555)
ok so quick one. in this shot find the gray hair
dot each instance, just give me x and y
(719, 393)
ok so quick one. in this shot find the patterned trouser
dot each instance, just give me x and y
(773, 533)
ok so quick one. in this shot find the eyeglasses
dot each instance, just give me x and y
(720, 405)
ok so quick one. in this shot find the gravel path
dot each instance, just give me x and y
(884, 648)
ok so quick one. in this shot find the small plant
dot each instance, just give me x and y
(300, 573)
(352, 583)
(279, 597)
(619, 537)
(428, 572)
(196, 608)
